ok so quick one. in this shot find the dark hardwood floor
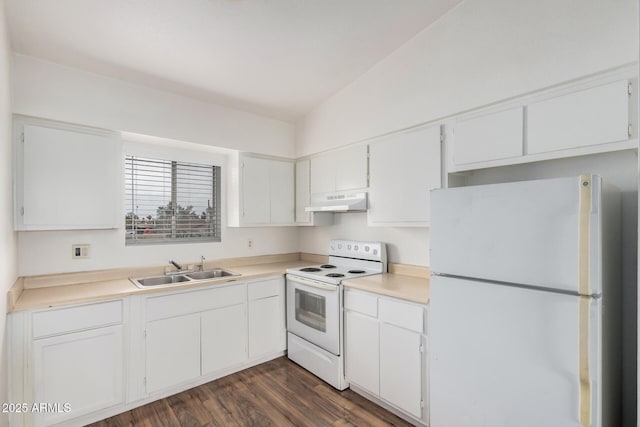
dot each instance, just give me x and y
(276, 393)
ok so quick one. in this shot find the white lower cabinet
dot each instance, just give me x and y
(223, 336)
(66, 362)
(83, 363)
(385, 351)
(79, 373)
(400, 360)
(172, 351)
(362, 344)
(267, 328)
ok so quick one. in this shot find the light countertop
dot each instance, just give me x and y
(99, 290)
(410, 288)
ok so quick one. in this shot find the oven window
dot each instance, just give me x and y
(311, 310)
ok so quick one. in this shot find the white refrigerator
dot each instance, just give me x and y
(524, 316)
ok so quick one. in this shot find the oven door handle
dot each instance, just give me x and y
(312, 283)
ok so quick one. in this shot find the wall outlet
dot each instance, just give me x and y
(250, 243)
(79, 251)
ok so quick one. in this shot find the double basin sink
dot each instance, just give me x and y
(185, 278)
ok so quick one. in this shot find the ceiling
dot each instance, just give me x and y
(278, 58)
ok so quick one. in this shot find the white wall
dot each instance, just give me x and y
(481, 52)
(404, 245)
(7, 236)
(48, 90)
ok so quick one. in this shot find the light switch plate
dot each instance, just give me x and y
(80, 251)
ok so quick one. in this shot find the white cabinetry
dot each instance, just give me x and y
(592, 116)
(267, 329)
(224, 338)
(197, 335)
(303, 198)
(262, 193)
(193, 333)
(403, 168)
(362, 344)
(340, 170)
(77, 359)
(66, 177)
(385, 351)
(172, 351)
(489, 137)
(596, 115)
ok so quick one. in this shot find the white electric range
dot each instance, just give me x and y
(314, 306)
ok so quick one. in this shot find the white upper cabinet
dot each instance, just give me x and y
(489, 137)
(303, 191)
(255, 191)
(403, 167)
(593, 116)
(67, 177)
(340, 170)
(263, 193)
(303, 198)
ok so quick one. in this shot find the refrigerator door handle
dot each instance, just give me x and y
(584, 234)
(585, 378)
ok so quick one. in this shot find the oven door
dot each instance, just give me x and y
(313, 312)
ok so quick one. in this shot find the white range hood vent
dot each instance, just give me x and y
(338, 202)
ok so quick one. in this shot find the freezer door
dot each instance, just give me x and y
(503, 356)
(523, 232)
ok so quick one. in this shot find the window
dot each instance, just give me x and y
(168, 201)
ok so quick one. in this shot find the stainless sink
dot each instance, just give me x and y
(182, 278)
(210, 274)
(160, 280)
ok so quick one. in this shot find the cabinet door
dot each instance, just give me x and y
(256, 197)
(490, 137)
(403, 169)
(83, 369)
(351, 168)
(323, 179)
(362, 342)
(267, 334)
(224, 338)
(302, 191)
(282, 192)
(172, 351)
(401, 368)
(589, 117)
(67, 179)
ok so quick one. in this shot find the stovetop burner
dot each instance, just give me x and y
(335, 275)
(327, 266)
(356, 271)
(310, 269)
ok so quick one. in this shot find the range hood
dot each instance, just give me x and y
(338, 202)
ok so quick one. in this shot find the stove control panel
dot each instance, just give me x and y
(375, 251)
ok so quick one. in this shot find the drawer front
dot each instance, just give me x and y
(78, 318)
(401, 314)
(266, 288)
(195, 301)
(361, 303)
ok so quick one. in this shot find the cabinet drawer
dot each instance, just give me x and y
(78, 318)
(361, 302)
(397, 313)
(265, 289)
(195, 301)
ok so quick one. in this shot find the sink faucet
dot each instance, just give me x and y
(175, 264)
(201, 266)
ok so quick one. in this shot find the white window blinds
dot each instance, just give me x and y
(169, 201)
